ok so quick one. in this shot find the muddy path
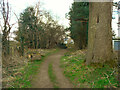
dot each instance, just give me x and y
(42, 79)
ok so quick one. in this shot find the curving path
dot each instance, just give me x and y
(42, 79)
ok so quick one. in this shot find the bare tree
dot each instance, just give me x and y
(6, 27)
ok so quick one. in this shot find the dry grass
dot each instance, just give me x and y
(13, 64)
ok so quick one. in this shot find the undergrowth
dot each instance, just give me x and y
(88, 76)
(29, 72)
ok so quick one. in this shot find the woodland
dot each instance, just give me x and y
(38, 57)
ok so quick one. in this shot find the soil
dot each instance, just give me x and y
(42, 79)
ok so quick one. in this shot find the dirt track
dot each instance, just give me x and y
(42, 79)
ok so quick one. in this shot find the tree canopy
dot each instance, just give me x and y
(35, 32)
(78, 16)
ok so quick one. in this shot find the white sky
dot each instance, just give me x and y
(58, 8)
(115, 21)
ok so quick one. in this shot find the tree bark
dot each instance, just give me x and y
(100, 33)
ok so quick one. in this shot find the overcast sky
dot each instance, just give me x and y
(57, 7)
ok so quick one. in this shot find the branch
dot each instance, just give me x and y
(16, 16)
(10, 27)
(109, 81)
(7, 12)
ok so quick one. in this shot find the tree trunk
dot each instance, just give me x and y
(99, 34)
(77, 44)
(5, 44)
(85, 35)
(22, 46)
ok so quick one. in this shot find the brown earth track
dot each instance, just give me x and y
(42, 79)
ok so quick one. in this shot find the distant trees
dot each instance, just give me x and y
(53, 33)
(38, 30)
(78, 16)
(27, 27)
(100, 33)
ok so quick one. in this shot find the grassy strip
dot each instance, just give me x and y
(24, 79)
(83, 76)
(52, 76)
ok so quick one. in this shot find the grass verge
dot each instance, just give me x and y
(27, 74)
(88, 76)
(52, 76)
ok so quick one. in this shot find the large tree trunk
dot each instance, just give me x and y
(99, 33)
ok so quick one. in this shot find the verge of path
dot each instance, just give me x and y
(42, 79)
(63, 82)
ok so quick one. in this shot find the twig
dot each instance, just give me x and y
(112, 73)
(109, 81)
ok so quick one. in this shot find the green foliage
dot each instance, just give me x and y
(38, 31)
(83, 76)
(28, 28)
(78, 16)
